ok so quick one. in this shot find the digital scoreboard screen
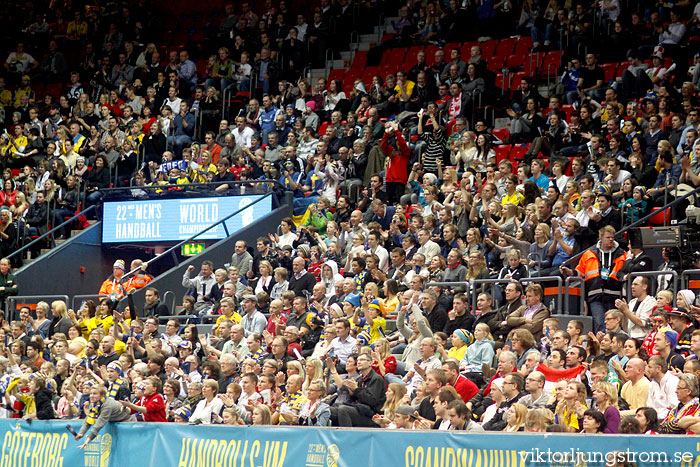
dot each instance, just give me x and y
(178, 219)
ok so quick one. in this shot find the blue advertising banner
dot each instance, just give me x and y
(161, 444)
(178, 219)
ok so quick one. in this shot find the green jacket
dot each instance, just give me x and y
(319, 221)
(8, 285)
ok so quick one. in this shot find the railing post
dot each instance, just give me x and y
(32, 299)
(671, 272)
(685, 274)
(567, 285)
(523, 281)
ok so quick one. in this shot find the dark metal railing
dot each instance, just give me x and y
(51, 232)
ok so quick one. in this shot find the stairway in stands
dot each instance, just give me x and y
(336, 68)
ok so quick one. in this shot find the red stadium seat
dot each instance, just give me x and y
(488, 48)
(658, 217)
(506, 46)
(501, 133)
(336, 73)
(495, 64)
(448, 48)
(530, 67)
(523, 46)
(515, 61)
(502, 152)
(517, 153)
(551, 64)
(569, 109)
(499, 80)
(430, 54)
(322, 129)
(55, 89)
(412, 56)
(360, 60)
(515, 80)
(609, 69)
(202, 67)
(467, 50)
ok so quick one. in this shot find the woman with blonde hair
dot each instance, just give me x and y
(476, 269)
(436, 268)
(314, 371)
(210, 404)
(294, 368)
(20, 206)
(357, 249)
(516, 418)
(395, 393)
(383, 361)
(605, 397)
(570, 410)
(206, 163)
(466, 152)
(537, 420)
(473, 240)
(450, 181)
(664, 146)
(222, 71)
(479, 352)
(573, 194)
(539, 249)
(371, 290)
(61, 321)
(261, 415)
(30, 190)
(507, 224)
(49, 190)
(264, 281)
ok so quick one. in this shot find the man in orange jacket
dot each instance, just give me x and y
(599, 267)
(112, 286)
(139, 279)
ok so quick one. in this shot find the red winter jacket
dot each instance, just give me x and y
(397, 168)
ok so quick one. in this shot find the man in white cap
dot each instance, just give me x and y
(112, 286)
(253, 321)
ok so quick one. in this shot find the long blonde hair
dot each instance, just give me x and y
(471, 141)
(537, 420)
(609, 390)
(473, 273)
(316, 375)
(520, 414)
(60, 307)
(390, 406)
(297, 366)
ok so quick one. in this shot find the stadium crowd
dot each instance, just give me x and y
(395, 193)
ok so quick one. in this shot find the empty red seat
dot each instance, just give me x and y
(360, 60)
(501, 133)
(502, 152)
(551, 64)
(506, 46)
(530, 67)
(515, 80)
(202, 67)
(487, 49)
(523, 46)
(499, 80)
(517, 153)
(495, 63)
(336, 73)
(515, 61)
(609, 69)
(661, 216)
